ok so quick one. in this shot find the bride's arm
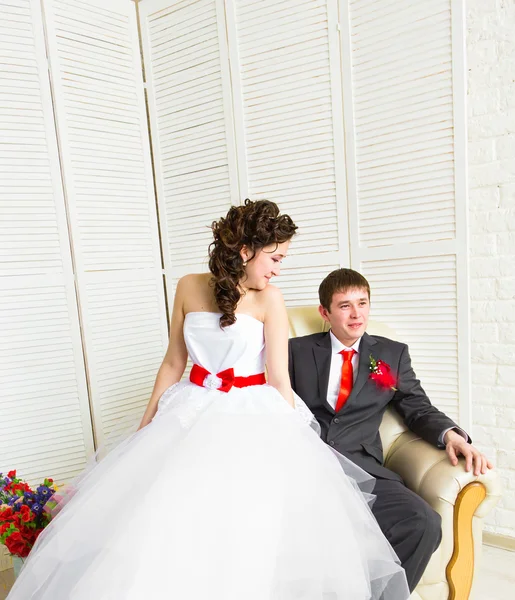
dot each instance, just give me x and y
(276, 341)
(174, 362)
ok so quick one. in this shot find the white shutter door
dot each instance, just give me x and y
(404, 98)
(100, 109)
(187, 74)
(285, 59)
(45, 426)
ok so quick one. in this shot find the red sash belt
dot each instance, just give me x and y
(224, 380)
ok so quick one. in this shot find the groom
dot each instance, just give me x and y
(332, 373)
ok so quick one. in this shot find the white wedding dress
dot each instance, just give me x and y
(224, 496)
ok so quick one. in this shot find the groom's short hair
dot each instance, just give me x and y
(340, 280)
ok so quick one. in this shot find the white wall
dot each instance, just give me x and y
(491, 122)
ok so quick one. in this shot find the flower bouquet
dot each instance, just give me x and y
(24, 512)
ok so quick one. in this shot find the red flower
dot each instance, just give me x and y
(4, 527)
(12, 474)
(381, 373)
(29, 535)
(17, 545)
(20, 486)
(6, 513)
(36, 533)
(15, 487)
(26, 514)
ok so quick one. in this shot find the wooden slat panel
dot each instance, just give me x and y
(400, 78)
(423, 312)
(403, 119)
(287, 93)
(100, 108)
(189, 108)
(45, 427)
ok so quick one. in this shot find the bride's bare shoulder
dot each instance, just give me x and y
(271, 294)
(270, 299)
(196, 293)
(194, 281)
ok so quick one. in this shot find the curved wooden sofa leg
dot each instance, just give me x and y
(460, 570)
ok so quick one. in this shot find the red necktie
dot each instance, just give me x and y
(347, 378)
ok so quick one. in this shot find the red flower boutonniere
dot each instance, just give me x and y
(381, 373)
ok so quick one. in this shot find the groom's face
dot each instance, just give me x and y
(348, 314)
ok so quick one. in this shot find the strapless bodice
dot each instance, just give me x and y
(240, 346)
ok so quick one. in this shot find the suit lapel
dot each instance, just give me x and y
(365, 349)
(322, 354)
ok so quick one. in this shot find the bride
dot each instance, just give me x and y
(225, 492)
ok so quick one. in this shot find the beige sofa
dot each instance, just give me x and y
(461, 499)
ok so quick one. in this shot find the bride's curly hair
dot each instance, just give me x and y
(255, 224)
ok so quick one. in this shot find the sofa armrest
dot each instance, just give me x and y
(426, 470)
(461, 499)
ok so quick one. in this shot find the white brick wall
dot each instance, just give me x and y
(491, 121)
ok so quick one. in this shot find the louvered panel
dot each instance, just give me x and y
(288, 100)
(100, 107)
(400, 209)
(405, 94)
(403, 119)
(189, 232)
(29, 231)
(189, 117)
(126, 340)
(96, 73)
(45, 427)
(423, 313)
(299, 284)
(389, 18)
(293, 88)
(43, 407)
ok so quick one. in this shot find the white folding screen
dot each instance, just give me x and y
(100, 113)
(189, 91)
(245, 101)
(404, 99)
(45, 426)
(285, 69)
(245, 98)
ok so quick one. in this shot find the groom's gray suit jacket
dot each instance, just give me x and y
(354, 430)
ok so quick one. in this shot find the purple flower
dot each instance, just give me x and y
(44, 492)
(29, 498)
(37, 509)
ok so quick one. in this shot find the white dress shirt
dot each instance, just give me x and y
(335, 372)
(335, 375)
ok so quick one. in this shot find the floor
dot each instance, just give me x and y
(6, 580)
(496, 579)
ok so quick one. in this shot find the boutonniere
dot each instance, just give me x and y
(381, 373)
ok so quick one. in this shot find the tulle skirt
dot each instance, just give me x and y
(222, 497)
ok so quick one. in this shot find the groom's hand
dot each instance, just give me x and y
(455, 444)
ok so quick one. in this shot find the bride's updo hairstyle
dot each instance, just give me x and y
(254, 225)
